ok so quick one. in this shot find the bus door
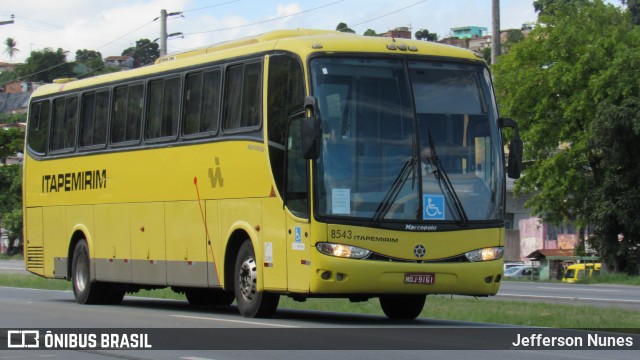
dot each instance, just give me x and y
(297, 205)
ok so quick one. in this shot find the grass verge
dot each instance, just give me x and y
(438, 307)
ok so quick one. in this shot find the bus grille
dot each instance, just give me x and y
(35, 257)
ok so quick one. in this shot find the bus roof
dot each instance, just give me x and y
(301, 41)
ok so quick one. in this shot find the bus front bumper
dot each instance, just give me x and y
(333, 275)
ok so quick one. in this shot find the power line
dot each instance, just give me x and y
(390, 13)
(265, 21)
(212, 6)
(61, 64)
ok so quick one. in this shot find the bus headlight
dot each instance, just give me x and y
(340, 250)
(486, 254)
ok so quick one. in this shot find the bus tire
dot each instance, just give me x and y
(251, 303)
(402, 307)
(85, 291)
(202, 296)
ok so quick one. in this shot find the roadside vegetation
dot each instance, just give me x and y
(612, 278)
(438, 307)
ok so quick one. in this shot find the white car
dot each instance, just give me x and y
(522, 272)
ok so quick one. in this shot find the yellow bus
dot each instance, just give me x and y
(303, 163)
(577, 272)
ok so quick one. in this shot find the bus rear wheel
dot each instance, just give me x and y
(251, 302)
(402, 307)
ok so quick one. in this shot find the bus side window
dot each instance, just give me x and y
(38, 132)
(202, 103)
(163, 108)
(94, 116)
(243, 97)
(65, 119)
(127, 113)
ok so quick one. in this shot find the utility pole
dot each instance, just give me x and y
(163, 30)
(8, 21)
(495, 38)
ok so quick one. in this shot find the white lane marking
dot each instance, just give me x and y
(233, 321)
(194, 358)
(570, 298)
(575, 289)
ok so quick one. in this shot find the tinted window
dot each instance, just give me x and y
(202, 102)
(127, 113)
(65, 119)
(285, 97)
(94, 118)
(163, 108)
(243, 96)
(38, 131)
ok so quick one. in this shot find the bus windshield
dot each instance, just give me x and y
(407, 140)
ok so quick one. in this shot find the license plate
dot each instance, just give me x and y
(419, 278)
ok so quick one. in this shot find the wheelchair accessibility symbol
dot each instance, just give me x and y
(432, 207)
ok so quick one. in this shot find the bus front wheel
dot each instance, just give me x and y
(251, 302)
(85, 291)
(402, 307)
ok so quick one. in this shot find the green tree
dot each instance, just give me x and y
(46, 65)
(424, 34)
(547, 7)
(11, 203)
(10, 49)
(634, 9)
(514, 36)
(565, 84)
(145, 52)
(11, 142)
(92, 59)
(370, 32)
(614, 144)
(344, 28)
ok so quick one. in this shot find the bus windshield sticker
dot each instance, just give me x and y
(341, 201)
(433, 207)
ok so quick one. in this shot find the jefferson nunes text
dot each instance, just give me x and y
(81, 180)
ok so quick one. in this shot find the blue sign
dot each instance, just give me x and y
(298, 234)
(432, 207)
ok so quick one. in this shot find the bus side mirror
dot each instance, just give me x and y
(514, 164)
(311, 131)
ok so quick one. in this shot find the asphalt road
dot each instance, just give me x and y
(12, 267)
(604, 295)
(46, 309)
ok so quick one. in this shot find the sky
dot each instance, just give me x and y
(111, 26)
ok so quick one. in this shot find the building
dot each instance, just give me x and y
(6, 67)
(399, 33)
(14, 103)
(476, 38)
(469, 32)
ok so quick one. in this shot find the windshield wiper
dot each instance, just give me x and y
(396, 187)
(443, 179)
